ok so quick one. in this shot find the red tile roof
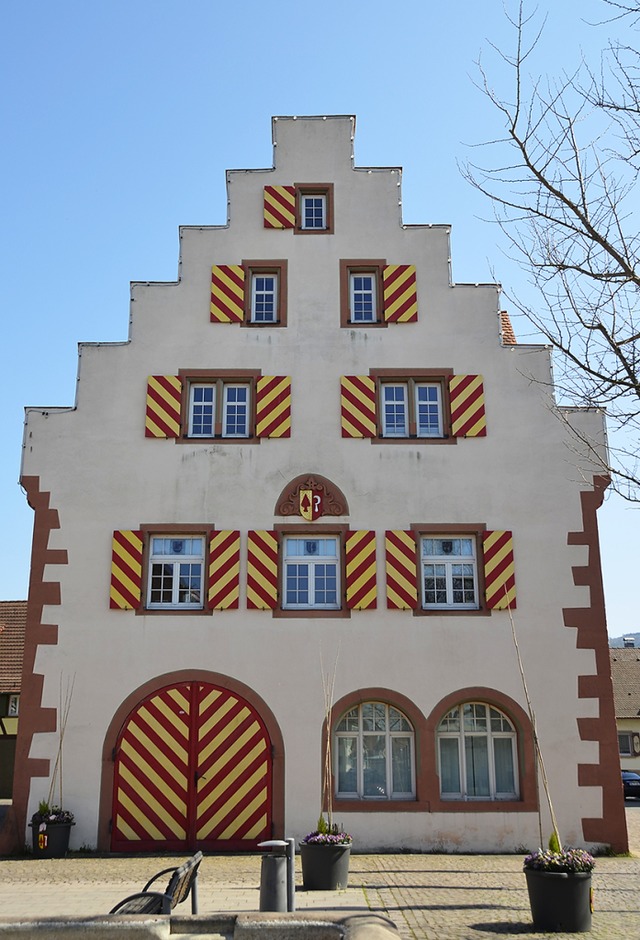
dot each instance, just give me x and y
(508, 336)
(625, 674)
(13, 620)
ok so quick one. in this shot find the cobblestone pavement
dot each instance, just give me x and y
(448, 897)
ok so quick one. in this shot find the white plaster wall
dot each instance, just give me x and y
(103, 474)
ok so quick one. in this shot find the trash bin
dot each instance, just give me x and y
(277, 885)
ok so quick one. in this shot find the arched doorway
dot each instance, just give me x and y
(192, 769)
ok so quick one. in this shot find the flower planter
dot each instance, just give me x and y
(324, 867)
(560, 901)
(52, 841)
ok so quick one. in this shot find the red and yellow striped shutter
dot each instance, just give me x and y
(223, 592)
(400, 293)
(164, 399)
(499, 570)
(402, 570)
(262, 570)
(227, 293)
(126, 570)
(360, 557)
(466, 394)
(279, 206)
(358, 406)
(273, 406)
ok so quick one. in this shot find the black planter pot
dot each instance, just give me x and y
(560, 901)
(324, 867)
(52, 841)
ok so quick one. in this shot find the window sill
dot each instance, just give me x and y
(173, 612)
(311, 613)
(218, 440)
(481, 806)
(380, 806)
(451, 612)
(414, 440)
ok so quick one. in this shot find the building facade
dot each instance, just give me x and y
(625, 675)
(13, 615)
(317, 465)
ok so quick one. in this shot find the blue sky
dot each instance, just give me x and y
(119, 118)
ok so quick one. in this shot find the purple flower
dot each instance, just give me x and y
(567, 860)
(328, 838)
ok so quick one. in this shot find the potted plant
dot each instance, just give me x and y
(325, 852)
(559, 886)
(325, 857)
(51, 825)
(50, 831)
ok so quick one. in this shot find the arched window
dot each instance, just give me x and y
(374, 754)
(477, 754)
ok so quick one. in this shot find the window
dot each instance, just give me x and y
(176, 566)
(219, 409)
(449, 572)
(313, 211)
(311, 573)
(235, 411)
(363, 304)
(361, 293)
(264, 298)
(624, 743)
(374, 293)
(314, 208)
(477, 754)
(411, 409)
(374, 754)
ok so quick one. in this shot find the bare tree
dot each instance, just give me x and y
(563, 181)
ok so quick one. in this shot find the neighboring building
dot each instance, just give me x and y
(13, 617)
(316, 456)
(625, 674)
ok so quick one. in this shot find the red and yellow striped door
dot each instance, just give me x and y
(192, 770)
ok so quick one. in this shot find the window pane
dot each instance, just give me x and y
(499, 722)
(476, 759)
(374, 716)
(202, 410)
(347, 765)
(325, 584)
(235, 423)
(401, 765)
(503, 758)
(189, 584)
(624, 743)
(374, 765)
(363, 302)
(428, 410)
(297, 584)
(264, 298)
(394, 415)
(397, 721)
(350, 721)
(475, 716)
(463, 584)
(451, 721)
(313, 212)
(435, 584)
(161, 584)
(449, 766)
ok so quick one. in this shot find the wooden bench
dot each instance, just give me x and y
(183, 881)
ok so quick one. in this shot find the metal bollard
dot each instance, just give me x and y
(277, 876)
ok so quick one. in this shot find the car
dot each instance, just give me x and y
(631, 784)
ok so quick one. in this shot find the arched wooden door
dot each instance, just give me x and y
(192, 770)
